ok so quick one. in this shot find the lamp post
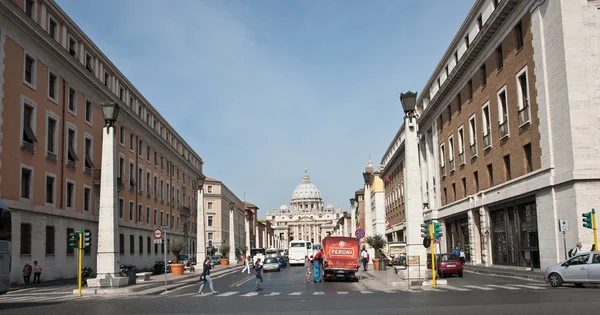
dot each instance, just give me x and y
(107, 260)
(352, 215)
(232, 257)
(414, 204)
(200, 228)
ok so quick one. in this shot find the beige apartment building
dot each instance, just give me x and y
(218, 201)
(508, 132)
(52, 78)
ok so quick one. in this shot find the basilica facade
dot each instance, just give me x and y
(306, 218)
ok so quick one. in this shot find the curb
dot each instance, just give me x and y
(536, 277)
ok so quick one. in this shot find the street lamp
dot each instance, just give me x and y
(110, 111)
(408, 100)
(352, 215)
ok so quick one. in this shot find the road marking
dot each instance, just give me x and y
(342, 292)
(479, 288)
(242, 282)
(430, 289)
(319, 293)
(250, 294)
(295, 293)
(366, 292)
(503, 287)
(273, 294)
(228, 293)
(528, 286)
(389, 291)
(449, 287)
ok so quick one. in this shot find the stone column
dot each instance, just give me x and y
(201, 229)
(247, 229)
(264, 238)
(486, 250)
(413, 203)
(474, 237)
(345, 227)
(107, 259)
(257, 237)
(352, 220)
(232, 257)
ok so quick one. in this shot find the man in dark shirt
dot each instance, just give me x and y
(258, 269)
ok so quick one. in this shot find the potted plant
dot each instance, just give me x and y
(178, 244)
(377, 242)
(243, 250)
(224, 250)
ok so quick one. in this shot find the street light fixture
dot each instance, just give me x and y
(408, 100)
(110, 111)
(231, 205)
(352, 202)
(201, 182)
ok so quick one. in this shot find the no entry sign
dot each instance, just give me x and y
(158, 233)
(359, 233)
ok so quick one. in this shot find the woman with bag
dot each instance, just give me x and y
(206, 277)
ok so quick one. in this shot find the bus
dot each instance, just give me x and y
(272, 252)
(298, 250)
(5, 239)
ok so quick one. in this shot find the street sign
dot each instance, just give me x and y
(158, 233)
(359, 233)
(158, 241)
(437, 240)
(563, 226)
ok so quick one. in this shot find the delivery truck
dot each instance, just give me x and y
(341, 258)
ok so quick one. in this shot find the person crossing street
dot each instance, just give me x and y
(205, 278)
(258, 270)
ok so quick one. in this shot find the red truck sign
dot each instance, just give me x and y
(341, 256)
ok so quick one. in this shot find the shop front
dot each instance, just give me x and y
(457, 229)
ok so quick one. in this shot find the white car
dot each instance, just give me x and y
(579, 270)
(271, 264)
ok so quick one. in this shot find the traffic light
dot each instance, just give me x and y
(425, 230)
(74, 239)
(87, 239)
(437, 230)
(587, 220)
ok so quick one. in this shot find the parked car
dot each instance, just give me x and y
(446, 264)
(282, 262)
(582, 269)
(271, 264)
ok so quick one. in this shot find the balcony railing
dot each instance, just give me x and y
(524, 115)
(461, 158)
(487, 141)
(473, 148)
(503, 129)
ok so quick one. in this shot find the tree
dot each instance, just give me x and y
(243, 250)
(377, 242)
(224, 250)
(178, 244)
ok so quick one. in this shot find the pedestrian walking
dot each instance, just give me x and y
(258, 270)
(247, 267)
(462, 256)
(457, 251)
(37, 272)
(206, 277)
(307, 268)
(364, 257)
(27, 269)
(576, 250)
(593, 249)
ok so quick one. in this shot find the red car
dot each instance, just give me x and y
(446, 264)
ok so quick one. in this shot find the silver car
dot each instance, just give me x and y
(271, 264)
(581, 269)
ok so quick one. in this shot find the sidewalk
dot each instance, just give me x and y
(383, 280)
(536, 274)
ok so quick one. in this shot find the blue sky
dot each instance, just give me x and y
(263, 89)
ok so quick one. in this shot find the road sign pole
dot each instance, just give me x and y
(80, 262)
(432, 246)
(164, 234)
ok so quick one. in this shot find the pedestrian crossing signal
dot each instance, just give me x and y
(587, 220)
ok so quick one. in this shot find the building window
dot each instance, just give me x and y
(480, 22)
(148, 183)
(453, 192)
(106, 78)
(507, 171)
(490, 175)
(499, 58)
(147, 215)
(502, 113)
(155, 216)
(30, 71)
(121, 208)
(449, 113)
(467, 42)
(483, 75)
(89, 164)
(528, 159)
(456, 57)
(72, 101)
(87, 198)
(476, 181)
(26, 180)
(131, 102)
(132, 142)
(122, 95)
(88, 111)
(523, 97)
(461, 145)
(70, 194)
(50, 188)
(131, 175)
(210, 221)
(28, 126)
(162, 189)
(50, 240)
(473, 136)
(122, 135)
(141, 245)
(72, 47)
(519, 35)
(52, 87)
(72, 146)
(25, 239)
(121, 244)
(162, 215)
(89, 63)
(443, 159)
(487, 134)
(131, 209)
(140, 179)
(451, 152)
(445, 196)
(148, 245)
(470, 89)
(464, 184)
(148, 151)
(140, 148)
(209, 189)
(155, 158)
(53, 28)
(459, 99)
(70, 250)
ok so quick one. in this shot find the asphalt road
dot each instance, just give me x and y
(288, 292)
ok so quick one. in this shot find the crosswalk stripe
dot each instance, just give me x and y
(528, 286)
(479, 288)
(449, 287)
(366, 292)
(342, 292)
(430, 289)
(250, 294)
(228, 293)
(295, 293)
(273, 294)
(319, 293)
(502, 287)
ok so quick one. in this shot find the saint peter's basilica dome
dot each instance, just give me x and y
(306, 190)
